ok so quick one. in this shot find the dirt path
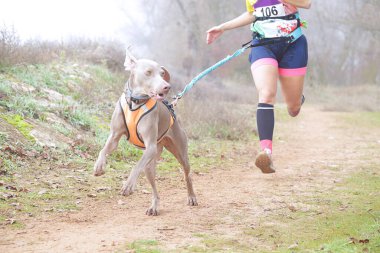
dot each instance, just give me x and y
(231, 199)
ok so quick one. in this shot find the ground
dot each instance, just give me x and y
(323, 197)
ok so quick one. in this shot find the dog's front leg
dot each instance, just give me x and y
(148, 128)
(150, 173)
(117, 129)
(148, 159)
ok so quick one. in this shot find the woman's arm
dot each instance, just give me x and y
(216, 31)
(242, 20)
(299, 3)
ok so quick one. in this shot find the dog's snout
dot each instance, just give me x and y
(167, 87)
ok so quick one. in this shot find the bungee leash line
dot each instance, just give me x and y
(228, 58)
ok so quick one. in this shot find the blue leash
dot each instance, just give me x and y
(209, 70)
(228, 58)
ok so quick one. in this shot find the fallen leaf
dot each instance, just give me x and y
(23, 189)
(292, 208)
(10, 221)
(166, 228)
(145, 191)
(103, 189)
(43, 191)
(11, 187)
(293, 246)
(8, 196)
(91, 195)
(353, 240)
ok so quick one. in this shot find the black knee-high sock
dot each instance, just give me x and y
(265, 125)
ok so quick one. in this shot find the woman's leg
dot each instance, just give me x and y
(292, 71)
(265, 77)
(292, 90)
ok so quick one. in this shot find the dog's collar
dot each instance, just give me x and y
(138, 100)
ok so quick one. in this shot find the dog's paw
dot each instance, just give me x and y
(127, 189)
(152, 211)
(99, 168)
(99, 172)
(192, 201)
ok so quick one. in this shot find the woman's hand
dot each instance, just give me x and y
(214, 33)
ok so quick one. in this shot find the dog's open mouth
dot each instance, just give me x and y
(159, 96)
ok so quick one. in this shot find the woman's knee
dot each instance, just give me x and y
(267, 96)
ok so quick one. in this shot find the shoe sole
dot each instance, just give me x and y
(263, 162)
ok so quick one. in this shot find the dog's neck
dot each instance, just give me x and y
(132, 98)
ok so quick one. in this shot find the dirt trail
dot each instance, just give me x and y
(231, 199)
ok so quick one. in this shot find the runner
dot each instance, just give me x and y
(276, 20)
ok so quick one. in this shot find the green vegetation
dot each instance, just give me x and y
(69, 99)
(346, 220)
(18, 122)
(144, 246)
(363, 119)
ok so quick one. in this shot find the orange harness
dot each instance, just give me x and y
(132, 118)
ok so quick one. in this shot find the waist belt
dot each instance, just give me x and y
(287, 17)
(291, 37)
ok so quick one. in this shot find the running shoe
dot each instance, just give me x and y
(264, 162)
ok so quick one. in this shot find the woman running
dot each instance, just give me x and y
(286, 58)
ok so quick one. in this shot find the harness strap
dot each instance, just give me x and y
(296, 34)
(133, 117)
(287, 17)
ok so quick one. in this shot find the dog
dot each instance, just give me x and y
(155, 127)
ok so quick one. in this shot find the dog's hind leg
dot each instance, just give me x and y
(160, 148)
(178, 147)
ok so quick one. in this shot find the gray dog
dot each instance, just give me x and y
(149, 123)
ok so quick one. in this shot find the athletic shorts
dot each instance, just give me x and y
(290, 59)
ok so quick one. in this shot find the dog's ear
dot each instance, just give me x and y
(166, 76)
(130, 60)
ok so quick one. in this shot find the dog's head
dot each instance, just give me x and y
(147, 77)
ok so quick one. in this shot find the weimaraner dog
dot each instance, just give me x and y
(148, 80)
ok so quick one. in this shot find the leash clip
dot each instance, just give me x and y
(175, 101)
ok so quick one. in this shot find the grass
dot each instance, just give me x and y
(363, 119)
(20, 124)
(332, 229)
(144, 246)
(212, 243)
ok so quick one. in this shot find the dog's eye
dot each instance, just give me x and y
(162, 73)
(148, 72)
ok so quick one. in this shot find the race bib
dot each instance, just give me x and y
(269, 8)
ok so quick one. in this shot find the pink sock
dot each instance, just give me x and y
(266, 144)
